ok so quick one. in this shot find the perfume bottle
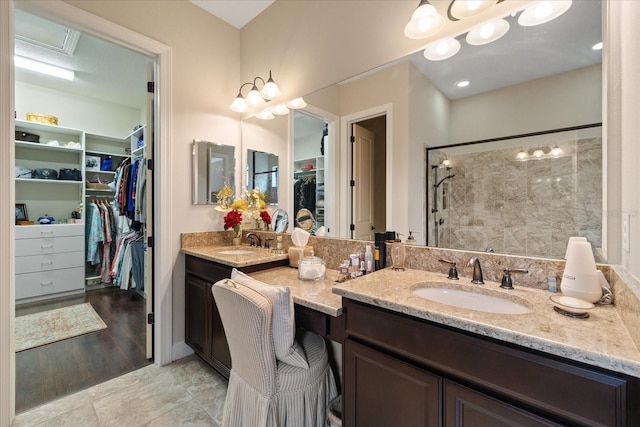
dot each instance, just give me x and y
(397, 255)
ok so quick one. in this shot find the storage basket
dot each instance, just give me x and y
(42, 118)
(97, 185)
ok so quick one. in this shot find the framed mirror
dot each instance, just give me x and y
(262, 173)
(213, 168)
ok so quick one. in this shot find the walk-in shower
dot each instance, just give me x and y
(437, 219)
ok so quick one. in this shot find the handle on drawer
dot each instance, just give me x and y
(46, 263)
(46, 283)
(46, 233)
(49, 246)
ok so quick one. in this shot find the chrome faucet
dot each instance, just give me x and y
(477, 270)
(254, 240)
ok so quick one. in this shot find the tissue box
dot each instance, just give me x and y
(296, 253)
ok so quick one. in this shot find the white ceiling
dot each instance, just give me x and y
(235, 12)
(115, 74)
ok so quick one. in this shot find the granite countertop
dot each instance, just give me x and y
(234, 256)
(601, 340)
(316, 295)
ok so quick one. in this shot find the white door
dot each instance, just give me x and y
(362, 189)
(148, 261)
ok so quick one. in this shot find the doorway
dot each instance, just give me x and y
(368, 177)
(58, 368)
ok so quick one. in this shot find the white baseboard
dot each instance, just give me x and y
(180, 350)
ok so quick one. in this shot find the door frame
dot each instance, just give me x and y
(99, 27)
(345, 161)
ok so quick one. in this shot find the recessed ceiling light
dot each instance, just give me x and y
(463, 83)
(597, 46)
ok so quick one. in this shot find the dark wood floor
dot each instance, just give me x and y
(64, 367)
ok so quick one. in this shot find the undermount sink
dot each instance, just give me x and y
(235, 252)
(472, 300)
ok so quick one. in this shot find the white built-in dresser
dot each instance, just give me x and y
(49, 261)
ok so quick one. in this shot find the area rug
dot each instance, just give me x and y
(34, 330)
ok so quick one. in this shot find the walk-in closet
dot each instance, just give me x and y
(83, 286)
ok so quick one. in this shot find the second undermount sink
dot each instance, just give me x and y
(473, 301)
(236, 252)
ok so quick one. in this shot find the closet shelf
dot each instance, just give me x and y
(45, 147)
(48, 181)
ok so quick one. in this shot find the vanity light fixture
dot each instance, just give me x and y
(280, 110)
(425, 21)
(460, 9)
(487, 33)
(255, 97)
(442, 49)
(542, 12)
(556, 151)
(265, 115)
(296, 104)
(41, 67)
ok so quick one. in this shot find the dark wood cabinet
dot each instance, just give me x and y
(386, 392)
(204, 332)
(479, 381)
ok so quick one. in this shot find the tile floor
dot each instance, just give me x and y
(187, 392)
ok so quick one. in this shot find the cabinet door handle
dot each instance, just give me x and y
(45, 263)
(46, 283)
(50, 246)
(46, 233)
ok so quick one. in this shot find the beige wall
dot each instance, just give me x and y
(205, 78)
(568, 99)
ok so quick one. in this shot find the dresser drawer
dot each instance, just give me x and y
(56, 230)
(49, 245)
(47, 262)
(50, 282)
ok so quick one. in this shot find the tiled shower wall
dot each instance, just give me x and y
(520, 207)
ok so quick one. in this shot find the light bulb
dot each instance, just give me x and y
(254, 98)
(239, 105)
(296, 104)
(473, 4)
(441, 50)
(538, 153)
(280, 110)
(542, 10)
(521, 155)
(556, 151)
(424, 22)
(270, 89)
(265, 115)
(486, 31)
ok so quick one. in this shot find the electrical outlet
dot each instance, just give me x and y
(625, 232)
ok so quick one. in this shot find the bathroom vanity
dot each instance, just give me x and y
(413, 362)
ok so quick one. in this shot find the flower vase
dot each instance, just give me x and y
(236, 240)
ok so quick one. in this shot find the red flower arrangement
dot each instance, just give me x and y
(233, 220)
(264, 215)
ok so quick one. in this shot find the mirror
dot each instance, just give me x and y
(262, 173)
(279, 221)
(447, 116)
(305, 220)
(213, 167)
(524, 196)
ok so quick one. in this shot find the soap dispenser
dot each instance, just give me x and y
(411, 240)
(397, 255)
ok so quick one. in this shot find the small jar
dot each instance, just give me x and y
(312, 268)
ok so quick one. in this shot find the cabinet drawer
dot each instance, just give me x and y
(56, 230)
(49, 245)
(35, 263)
(50, 282)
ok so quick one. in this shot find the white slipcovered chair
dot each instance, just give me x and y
(277, 378)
